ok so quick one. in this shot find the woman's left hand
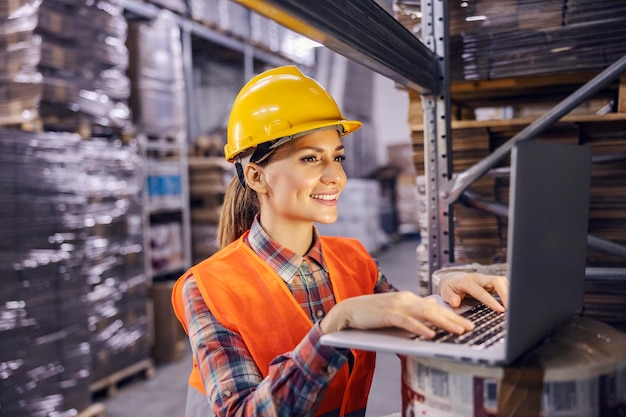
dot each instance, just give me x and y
(454, 286)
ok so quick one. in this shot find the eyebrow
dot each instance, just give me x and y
(317, 149)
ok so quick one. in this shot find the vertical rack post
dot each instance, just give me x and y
(187, 138)
(437, 139)
(248, 62)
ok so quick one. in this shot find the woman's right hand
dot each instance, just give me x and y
(402, 309)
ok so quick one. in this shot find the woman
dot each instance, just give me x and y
(255, 310)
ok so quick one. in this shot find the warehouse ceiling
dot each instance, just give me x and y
(362, 31)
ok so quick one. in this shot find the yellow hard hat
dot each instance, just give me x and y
(280, 103)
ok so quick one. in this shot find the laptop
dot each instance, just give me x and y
(547, 246)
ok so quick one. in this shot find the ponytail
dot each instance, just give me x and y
(240, 206)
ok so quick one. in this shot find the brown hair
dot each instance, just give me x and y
(241, 204)
(240, 207)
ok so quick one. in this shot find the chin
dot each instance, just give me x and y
(327, 220)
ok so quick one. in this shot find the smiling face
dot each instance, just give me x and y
(301, 183)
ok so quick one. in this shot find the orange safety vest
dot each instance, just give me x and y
(247, 296)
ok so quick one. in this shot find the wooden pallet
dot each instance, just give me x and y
(94, 410)
(621, 105)
(85, 127)
(166, 138)
(109, 386)
(33, 125)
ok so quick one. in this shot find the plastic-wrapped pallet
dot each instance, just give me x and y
(45, 358)
(204, 11)
(83, 62)
(20, 81)
(114, 261)
(156, 71)
(73, 303)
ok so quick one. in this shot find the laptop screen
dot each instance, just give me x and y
(547, 237)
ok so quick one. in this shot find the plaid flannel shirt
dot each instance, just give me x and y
(297, 380)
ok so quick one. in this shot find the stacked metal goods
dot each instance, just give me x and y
(208, 179)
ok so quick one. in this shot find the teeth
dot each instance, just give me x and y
(327, 197)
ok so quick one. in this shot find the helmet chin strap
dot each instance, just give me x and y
(240, 163)
(259, 153)
(239, 169)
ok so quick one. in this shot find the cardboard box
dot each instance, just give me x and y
(170, 340)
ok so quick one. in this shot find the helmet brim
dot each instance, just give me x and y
(348, 126)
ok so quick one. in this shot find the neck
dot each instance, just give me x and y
(297, 237)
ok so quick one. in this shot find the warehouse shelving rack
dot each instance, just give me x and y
(366, 33)
(178, 207)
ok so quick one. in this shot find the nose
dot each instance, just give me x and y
(333, 173)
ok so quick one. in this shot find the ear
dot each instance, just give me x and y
(255, 179)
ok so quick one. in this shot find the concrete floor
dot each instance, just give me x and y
(163, 395)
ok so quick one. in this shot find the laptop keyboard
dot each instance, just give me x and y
(489, 329)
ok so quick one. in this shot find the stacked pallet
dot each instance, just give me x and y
(516, 38)
(155, 69)
(605, 299)
(20, 81)
(83, 63)
(208, 179)
(74, 298)
(476, 233)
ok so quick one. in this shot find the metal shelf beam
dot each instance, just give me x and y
(361, 31)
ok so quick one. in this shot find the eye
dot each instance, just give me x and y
(310, 158)
(340, 158)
